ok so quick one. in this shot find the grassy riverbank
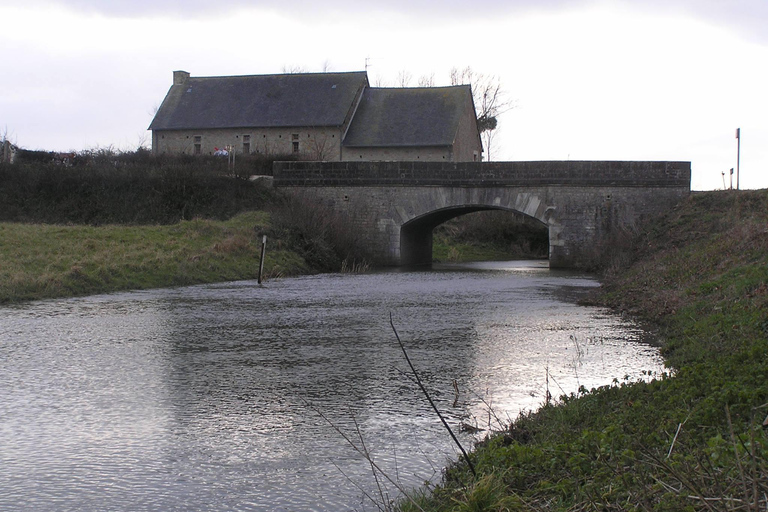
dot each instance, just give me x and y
(44, 261)
(691, 440)
(104, 221)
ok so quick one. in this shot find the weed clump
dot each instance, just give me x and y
(325, 238)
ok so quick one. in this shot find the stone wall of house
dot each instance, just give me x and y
(308, 143)
(467, 147)
(414, 153)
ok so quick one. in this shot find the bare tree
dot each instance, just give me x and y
(404, 78)
(327, 67)
(321, 147)
(143, 142)
(427, 80)
(294, 70)
(490, 101)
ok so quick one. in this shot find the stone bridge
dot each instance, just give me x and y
(585, 205)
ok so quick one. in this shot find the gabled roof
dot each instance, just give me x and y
(423, 116)
(258, 101)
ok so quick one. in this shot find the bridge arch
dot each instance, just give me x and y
(416, 235)
(584, 204)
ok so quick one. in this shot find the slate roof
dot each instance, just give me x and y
(257, 101)
(423, 116)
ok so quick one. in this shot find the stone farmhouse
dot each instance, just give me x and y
(316, 116)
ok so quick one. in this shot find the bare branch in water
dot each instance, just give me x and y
(364, 453)
(424, 390)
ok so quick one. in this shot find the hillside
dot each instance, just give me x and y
(692, 440)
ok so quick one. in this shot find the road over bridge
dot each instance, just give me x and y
(585, 205)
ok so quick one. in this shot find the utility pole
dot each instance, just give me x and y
(738, 155)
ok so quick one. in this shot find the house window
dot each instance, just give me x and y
(246, 144)
(295, 146)
(198, 144)
(295, 136)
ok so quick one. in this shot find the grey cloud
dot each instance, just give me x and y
(302, 8)
(749, 18)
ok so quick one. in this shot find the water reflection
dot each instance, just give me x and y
(205, 398)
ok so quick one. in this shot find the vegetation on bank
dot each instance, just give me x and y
(690, 440)
(44, 260)
(490, 235)
(102, 221)
(106, 187)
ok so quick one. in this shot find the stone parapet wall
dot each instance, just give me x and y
(484, 174)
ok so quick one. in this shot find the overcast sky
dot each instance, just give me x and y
(589, 80)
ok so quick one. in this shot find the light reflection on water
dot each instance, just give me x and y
(205, 398)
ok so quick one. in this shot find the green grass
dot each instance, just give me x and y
(43, 261)
(488, 236)
(457, 252)
(690, 440)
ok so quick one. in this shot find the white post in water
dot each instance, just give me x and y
(263, 251)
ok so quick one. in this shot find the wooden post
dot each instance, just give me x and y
(261, 261)
(738, 155)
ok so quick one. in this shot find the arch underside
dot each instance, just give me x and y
(416, 234)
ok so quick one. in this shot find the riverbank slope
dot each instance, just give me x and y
(39, 261)
(691, 440)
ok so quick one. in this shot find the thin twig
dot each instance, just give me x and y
(368, 456)
(361, 452)
(557, 384)
(736, 453)
(753, 457)
(680, 478)
(491, 411)
(359, 487)
(679, 428)
(424, 390)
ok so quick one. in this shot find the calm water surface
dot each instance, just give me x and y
(209, 397)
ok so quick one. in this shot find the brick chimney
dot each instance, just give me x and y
(180, 77)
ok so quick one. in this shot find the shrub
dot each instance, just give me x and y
(325, 238)
(103, 186)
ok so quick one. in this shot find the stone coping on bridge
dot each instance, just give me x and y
(484, 174)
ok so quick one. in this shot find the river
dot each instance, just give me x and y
(238, 396)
